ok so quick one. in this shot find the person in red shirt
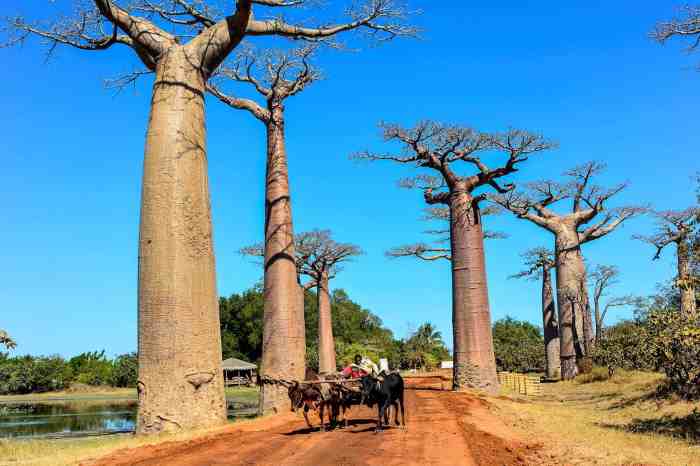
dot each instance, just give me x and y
(354, 371)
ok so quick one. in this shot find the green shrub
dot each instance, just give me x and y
(674, 340)
(125, 370)
(28, 374)
(624, 345)
(92, 368)
(518, 346)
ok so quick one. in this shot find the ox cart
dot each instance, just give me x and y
(330, 394)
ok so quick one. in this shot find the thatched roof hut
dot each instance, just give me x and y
(233, 364)
(238, 372)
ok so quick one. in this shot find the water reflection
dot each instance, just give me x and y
(81, 418)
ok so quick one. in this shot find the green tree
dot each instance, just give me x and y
(241, 317)
(519, 345)
(91, 368)
(424, 349)
(354, 328)
(6, 341)
(125, 370)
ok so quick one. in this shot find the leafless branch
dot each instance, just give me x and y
(686, 25)
(421, 251)
(318, 253)
(382, 20)
(536, 260)
(673, 226)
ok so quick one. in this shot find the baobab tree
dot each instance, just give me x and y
(589, 203)
(686, 26)
(183, 42)
(603, 277)
(678, 227)
(276, 76)
(6, 340)
(439, 147)
(538, 265)
(320, 258)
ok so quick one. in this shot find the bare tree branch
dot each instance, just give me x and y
(318, 253)
(686, 26)
(673, 226)
(382, 19)
(536, 261)
(421, 251)
(535, 203)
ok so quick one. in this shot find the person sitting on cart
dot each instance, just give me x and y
(360, 368)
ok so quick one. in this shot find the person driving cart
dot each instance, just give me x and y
(360, 368)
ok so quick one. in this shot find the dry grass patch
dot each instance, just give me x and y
(596, 420)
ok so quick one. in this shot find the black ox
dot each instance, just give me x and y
(384, 393)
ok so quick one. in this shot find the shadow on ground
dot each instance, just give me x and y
(686, 428)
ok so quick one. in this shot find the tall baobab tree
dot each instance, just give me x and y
(686, 25)
(539, 262)
(6, 340)
(320, 258)
(439, 147)
(589, 203)
(603, 277)
(678, 227)
(183, 42)
(276, 76)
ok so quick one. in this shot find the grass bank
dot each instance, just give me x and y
(238, 394)
(75, 450)
(596, 420)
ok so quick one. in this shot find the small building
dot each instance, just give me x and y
(238, 372)
(446, 365)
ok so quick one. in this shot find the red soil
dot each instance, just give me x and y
(443, 428)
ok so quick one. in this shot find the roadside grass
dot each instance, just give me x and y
(98, 393)
(597, 420)
(75, 450)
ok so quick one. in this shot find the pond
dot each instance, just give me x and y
(76, 418)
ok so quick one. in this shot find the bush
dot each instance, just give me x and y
(92, 368)
(624, 345)
(125, 370)
(674, 340)
(29, 374)
(518, 346)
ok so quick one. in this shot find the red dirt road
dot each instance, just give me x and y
(443, 428)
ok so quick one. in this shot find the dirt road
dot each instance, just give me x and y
(443, 428)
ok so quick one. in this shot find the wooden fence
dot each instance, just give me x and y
(528, 385)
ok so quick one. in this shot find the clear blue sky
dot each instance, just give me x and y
(582, 73)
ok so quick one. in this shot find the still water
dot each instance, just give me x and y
(80, 418)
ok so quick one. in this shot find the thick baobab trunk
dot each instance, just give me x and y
(326, 343)
(550, 326)
(474, 361)
(685, 279)
(180, 383)
(572, 300)
(282, 315)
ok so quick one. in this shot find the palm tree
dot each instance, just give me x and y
(6, 341)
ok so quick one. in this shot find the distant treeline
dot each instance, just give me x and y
(356, 330)
(36, 374)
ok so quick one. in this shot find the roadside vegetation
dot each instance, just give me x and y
(596, 419)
